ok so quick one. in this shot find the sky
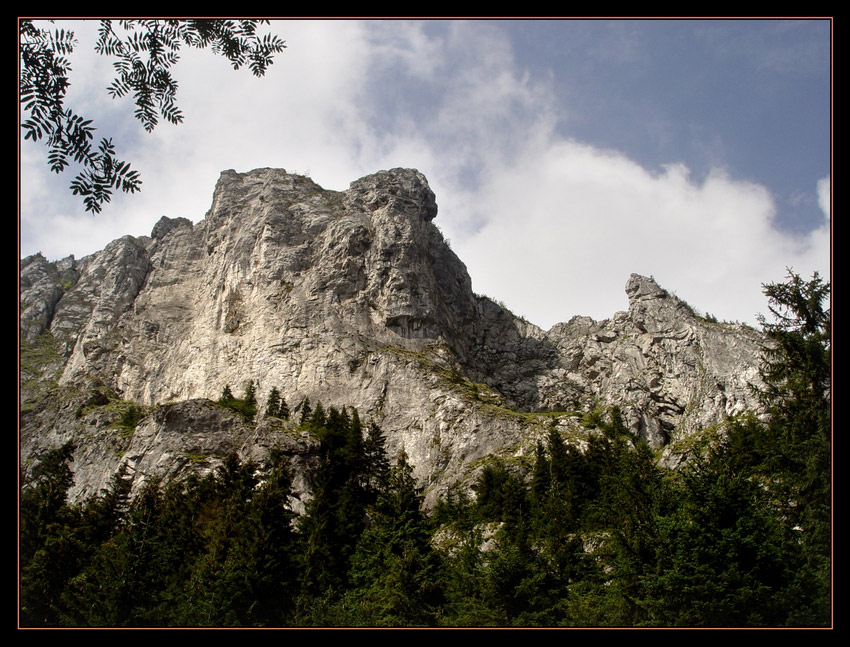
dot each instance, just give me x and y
(564, 154)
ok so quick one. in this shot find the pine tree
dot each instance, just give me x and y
(102, 514)
(322, 565)
(273, 550)
(376, 465)
(122, 586)
(335, 515)
(273, 404)
(283, 410)
(790, 455)
(395, 570)
(247, 405)
(631, 499)
(306, 411)
(50, 538)
(723, 555)
(560, 509)
(517, 583)
(796, 371)
(245, 568)
(541, 480)
(250, 400)
(319, 419)
(465, 566)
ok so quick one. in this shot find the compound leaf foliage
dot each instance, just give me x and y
(144, 53)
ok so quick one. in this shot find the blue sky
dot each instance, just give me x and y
(564, 154)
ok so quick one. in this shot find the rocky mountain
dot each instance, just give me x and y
(347, 298)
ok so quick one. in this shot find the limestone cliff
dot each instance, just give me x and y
(348, 298)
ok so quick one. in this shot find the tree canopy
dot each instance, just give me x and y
(143, 53)
(602, 535)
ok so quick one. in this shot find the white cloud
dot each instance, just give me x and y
(824, 196)
(405, 44)
(551, 226)
(301, 116)
(568, 224)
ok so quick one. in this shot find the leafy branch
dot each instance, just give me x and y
(144, 55)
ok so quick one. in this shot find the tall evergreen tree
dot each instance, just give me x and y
(723, 557)
(376, 465)
(306, 411)
(335, 516)
(273, 403)
(123, 584)
(630, 497)
(541, 481)
(250, 400)
(250, 396)
(50, 538)
(246, 568)
(273, 549)
(319, 418)
(395, 571)
(462, 536)
(789, 456)
(797, 375)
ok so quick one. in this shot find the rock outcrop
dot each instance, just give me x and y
(350, 299)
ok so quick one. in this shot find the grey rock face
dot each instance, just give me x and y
(673, 372)
(43, 284)
(350, 299)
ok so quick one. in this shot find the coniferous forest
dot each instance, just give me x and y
(737, 536)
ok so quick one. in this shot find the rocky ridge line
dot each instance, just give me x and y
(349, 298)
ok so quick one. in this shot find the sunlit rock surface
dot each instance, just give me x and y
(349, 299)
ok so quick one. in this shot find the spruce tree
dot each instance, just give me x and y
(273, 403)
(319, 418)
(335, 515)
(50, 547)
(249, 402)
(226, 395)
(395, 571)
(306, 411)
(123, 585)
(796, 371)
(272, 545)
(789, 455)
(722, 556)
(541, 480)
(376, 465)
(245, 564)
(630, 502)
